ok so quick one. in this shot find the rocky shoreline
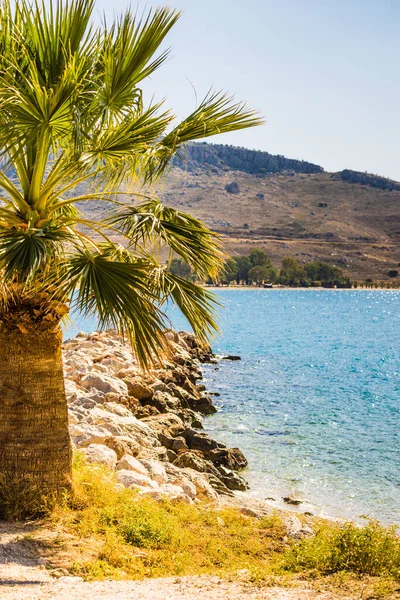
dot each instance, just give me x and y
(148, 426)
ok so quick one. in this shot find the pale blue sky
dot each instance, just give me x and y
(324, 73)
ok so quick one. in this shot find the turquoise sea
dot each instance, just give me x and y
(315, 401)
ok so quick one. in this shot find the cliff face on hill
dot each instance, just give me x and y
(290, 208)
(367, 179)
(240, 159)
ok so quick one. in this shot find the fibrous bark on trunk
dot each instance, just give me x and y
(35, 446)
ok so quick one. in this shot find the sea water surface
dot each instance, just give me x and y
(315, 401)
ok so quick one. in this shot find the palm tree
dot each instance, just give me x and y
(75, 128)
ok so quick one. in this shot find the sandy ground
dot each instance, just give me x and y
(35, 584)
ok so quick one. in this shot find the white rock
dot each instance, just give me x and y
(101, 454)
(167, 493)
(99, 368)
(134, 479)
(117, 409)
(84, 434)
(98, 398)
(104, 383)
(115, 364)
(173, 490)
(125, 426)
(293, 525)
(129, 463)
(70, 387)
(204, 490)
(155, 470)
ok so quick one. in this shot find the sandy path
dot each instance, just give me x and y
(37, 585)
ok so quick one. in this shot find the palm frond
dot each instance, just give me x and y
(24, 252)
(196, 303)
(183, 233)
(217, 113)
(119, 293)
(127, 58)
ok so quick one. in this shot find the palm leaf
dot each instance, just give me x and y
(196, 303)
(24, 252)
(119, 294)
(184, 234)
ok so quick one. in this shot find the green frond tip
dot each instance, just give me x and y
(184, 234)
(24, 252)
(196, 303)
(120, 294)
(217, 113)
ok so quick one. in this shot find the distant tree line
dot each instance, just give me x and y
(256, 268)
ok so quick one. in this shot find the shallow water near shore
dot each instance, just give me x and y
(315, 401)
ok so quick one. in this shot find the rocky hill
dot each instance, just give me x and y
(240, 159)
(290, 207)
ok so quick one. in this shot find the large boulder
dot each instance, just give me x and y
(130, 426)
(192, 461)
(100, 454)
(167, 424)
(133, 479)
(129, 463)
(202, 405)
(138, 388)
(199, 441)
(232, 188)
(84, 434)
(104, 383)
(155, 470)
(232, 480)
(231, 458)
(122, 445)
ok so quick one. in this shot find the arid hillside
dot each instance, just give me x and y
(290, 208)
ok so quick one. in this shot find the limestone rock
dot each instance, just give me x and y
(192, 461)
(202, 405)
(85, 434)
(232, 480)
(155, 470)
(104, 383)
(101, 454)
(178, 444)
(134, 479)
(138, 389)
(232, 458)
(199, 441)
(122, 445)
(129, 463)
(167, 424)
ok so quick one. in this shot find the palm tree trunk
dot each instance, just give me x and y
(35, 446)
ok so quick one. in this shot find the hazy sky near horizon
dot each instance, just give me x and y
(324, 74)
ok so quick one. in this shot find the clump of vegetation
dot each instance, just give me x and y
(371, 550)
(137, 536)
